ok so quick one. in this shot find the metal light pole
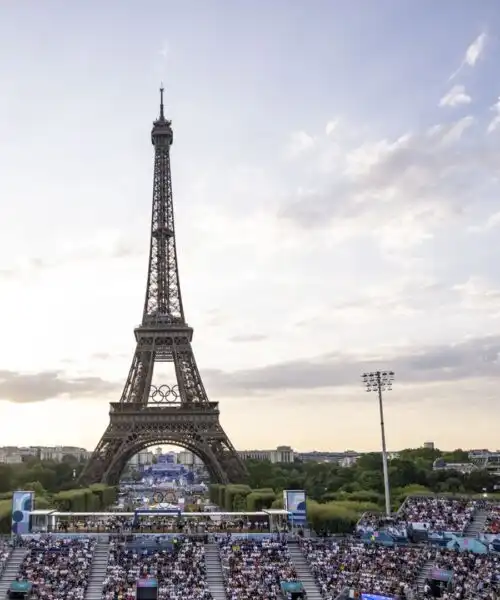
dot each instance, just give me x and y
(381, 381)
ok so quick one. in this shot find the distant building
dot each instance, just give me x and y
(16, 454)
(141, 459)
(484, 459)
(188, 459)
(464, 468)
(282, 454)
(10, 458)
(57, 453)
(429, 445)
(349, 460)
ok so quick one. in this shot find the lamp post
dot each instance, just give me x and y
(381, 381)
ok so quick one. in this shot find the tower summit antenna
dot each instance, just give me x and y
(162, 89)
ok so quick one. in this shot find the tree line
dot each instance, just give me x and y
(336, 495)
(54, 484)
(324, 481)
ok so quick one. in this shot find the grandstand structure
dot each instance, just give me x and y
(178, 412)
(107, 555)
(484, 459)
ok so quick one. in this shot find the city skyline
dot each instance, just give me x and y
(335, 179)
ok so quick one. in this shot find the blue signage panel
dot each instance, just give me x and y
(294, 501)
(147, 583)
(375, 597)
(22, 505)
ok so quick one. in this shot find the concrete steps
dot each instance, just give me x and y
(424, 574)
(215, 578)
(11, 570)
(304, 572)
(478, 522)
(98, 571)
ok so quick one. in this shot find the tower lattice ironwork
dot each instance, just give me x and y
(178, 413)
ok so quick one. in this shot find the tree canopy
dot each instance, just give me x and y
(413, 467)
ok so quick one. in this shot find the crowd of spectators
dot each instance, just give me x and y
(492, 523)
(439, 514)
(179, 569)
(365, 568)
(255, 569)
(58, 568)
(163, 524)
(5, 550)
(475, 576)
(370, 522)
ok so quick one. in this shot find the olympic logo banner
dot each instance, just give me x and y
(167, 497)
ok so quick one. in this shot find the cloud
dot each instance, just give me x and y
(25, 388)
(492, 222)
(475, 50)
(299, 143)
(455, 97)
(495, 122)
(251, 337)
(396, 190)
(165, 50)
(331, 126)
(466, 360)
(477, 295)
(106, 245)
(472, 54)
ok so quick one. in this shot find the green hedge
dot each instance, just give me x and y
(334, 517)
(257, 500)
(5, 516)
(43, 503)
(93, 499)
(215, 491)
(235, 497)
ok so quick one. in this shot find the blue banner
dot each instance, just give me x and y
(22, 505)
(294, 501)
(147, 583)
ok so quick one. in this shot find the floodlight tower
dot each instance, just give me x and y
(381, 381)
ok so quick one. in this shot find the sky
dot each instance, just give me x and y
(336, 175)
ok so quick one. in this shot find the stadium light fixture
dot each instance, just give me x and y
(381, 381)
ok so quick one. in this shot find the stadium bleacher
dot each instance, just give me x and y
(365, 568)
(492, 523)
(255, 569)
(5, 550)
(438, 514)
(180, 570)
(475, 576)
(58, 568)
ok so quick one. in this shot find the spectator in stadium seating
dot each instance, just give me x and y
(162, 524)
(58, 568)
(366, 568)
(369, 522)
(492, 524)
(475, 576)
(111, 524)
(180, 571)
(5, 551)
(439, 514)
(255, 569)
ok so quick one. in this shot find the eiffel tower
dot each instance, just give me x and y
(179, 414)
